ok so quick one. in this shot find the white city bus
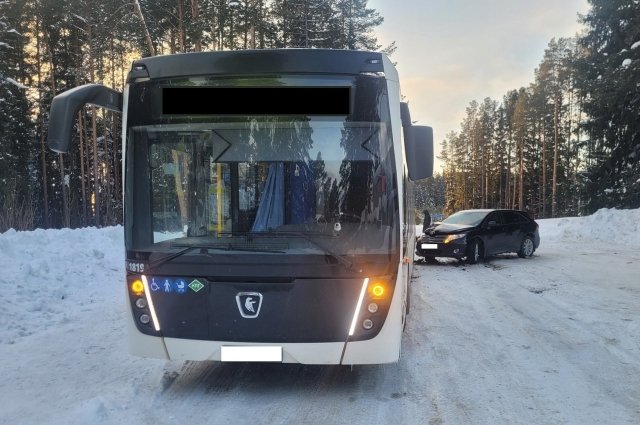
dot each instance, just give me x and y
(268, 203)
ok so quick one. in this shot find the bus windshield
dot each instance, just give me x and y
(265, 183)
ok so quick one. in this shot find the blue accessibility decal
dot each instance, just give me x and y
(166, 285)
(154, 285)
(180, 286)
(170, 285)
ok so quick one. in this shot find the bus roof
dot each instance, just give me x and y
(265, 61)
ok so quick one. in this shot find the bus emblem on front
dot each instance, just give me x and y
(249, 304)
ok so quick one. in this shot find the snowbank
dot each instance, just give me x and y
(48, 276)
(615, 227)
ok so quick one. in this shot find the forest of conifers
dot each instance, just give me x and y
(49, 46)
(567, 144)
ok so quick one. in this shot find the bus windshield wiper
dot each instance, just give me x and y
(170, 257)
(187, 248)
(342, 259)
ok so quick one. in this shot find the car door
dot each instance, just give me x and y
(493, 233)
(513, 231)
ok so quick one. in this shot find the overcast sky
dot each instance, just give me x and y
(451, 52)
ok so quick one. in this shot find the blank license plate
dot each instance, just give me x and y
(429, 246)
(251, 354)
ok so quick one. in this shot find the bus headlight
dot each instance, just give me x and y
(372, 307)
(152, 310)
(356, 313)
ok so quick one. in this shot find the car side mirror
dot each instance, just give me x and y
(492, 224)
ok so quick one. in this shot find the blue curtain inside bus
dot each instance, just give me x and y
(271, 208)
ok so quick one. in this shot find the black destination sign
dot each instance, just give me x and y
(256, 100)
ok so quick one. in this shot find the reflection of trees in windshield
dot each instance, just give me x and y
(169, 168)
(256, 175)
(362, 183)
(265, 138)
(327, 191)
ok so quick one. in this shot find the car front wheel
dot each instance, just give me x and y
(474, 251)
(526, 247)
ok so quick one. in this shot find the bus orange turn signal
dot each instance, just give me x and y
(137, 287)
(377, 290)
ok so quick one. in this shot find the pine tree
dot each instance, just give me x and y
(520, 131)
(356, 25)
(451, 174)
(608, 79)
(500, 155)
(17, 158)
(487, 129)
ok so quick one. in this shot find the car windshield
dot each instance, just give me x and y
(466, 218)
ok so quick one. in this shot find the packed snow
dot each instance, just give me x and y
(547, 340)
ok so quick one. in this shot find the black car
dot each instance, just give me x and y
(477, 234)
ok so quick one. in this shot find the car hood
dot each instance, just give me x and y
(445, 228)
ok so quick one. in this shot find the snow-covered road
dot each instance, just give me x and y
(554, 339)
(548, 340)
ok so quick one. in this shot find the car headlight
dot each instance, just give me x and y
(451, 238)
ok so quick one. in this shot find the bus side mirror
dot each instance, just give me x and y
(405, 115)
(65, 106)
(419, 151)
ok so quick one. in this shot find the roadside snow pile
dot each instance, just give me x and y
(47, 277)
(619, 227)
